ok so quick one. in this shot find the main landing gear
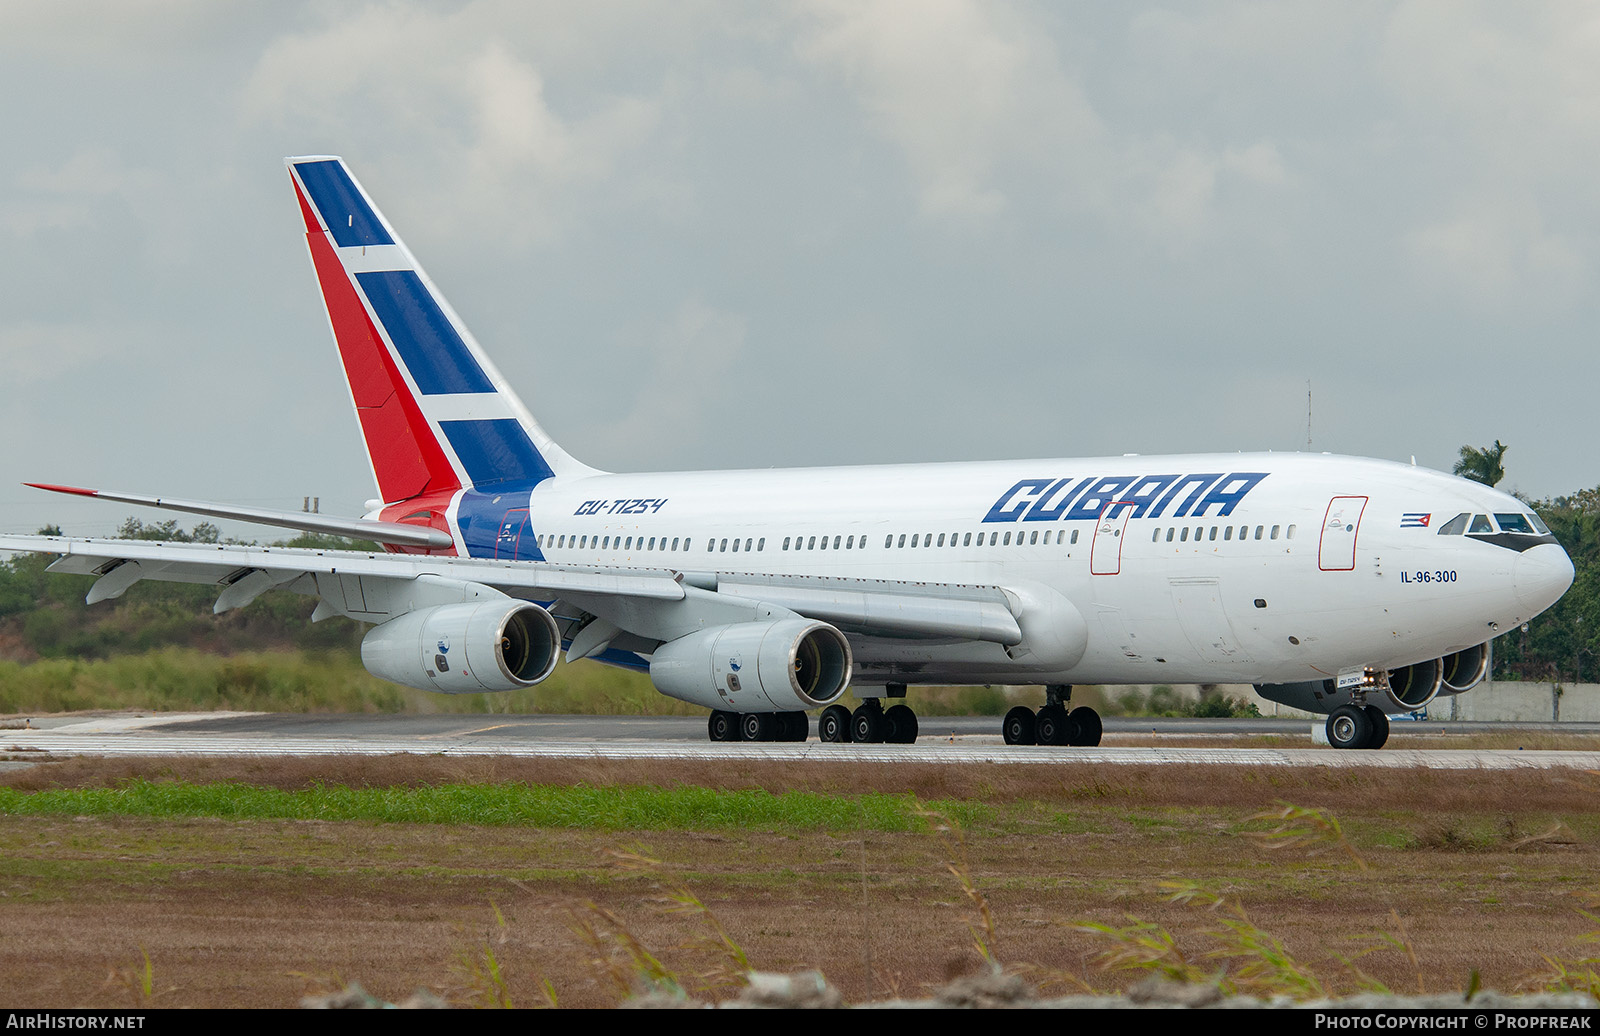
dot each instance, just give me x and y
(1357, 726)
(871, 723)
(758, 726)
(1053, 724)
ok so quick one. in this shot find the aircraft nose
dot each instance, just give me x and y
(1541, 575)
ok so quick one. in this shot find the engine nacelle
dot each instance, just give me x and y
(466, 648)
(783, 666)
(1465, 669)
(1411, 688)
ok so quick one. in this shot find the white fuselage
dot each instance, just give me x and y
(1198, 568)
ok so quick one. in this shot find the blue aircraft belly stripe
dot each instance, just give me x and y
(432, 351)
(496, 452)
(350, 219)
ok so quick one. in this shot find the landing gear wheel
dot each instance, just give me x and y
(1089, 726)
(1054, 727)
(1018, 728)
(1380, 726)
(757, 726)
(903, 723)
(866, 725)
(793, 726)
(723, 726)
(1349, 727)
(834, 724)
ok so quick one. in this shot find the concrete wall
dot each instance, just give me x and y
(1497, 700)
(1533, 702)
(1489, 701)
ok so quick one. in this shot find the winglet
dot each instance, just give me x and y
(52, 487)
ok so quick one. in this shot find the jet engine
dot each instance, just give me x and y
(1465, 669)
(1410, 688)
(466, 648)
(783, 666)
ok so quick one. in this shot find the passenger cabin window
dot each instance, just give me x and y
(1289, 533)
(1455, 526)
(1275, 532)
(1074, 536)
(786, 543)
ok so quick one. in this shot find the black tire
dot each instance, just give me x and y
(798, 728)
(757, 726)
(1018, 728)
(904, 722)
(1349, 727)
(1380, 726)
(866, 725)
(723, 726)
(834, 724)
(1089, 727)
(1053, 726)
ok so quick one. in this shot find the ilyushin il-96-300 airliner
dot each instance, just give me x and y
(1354, 588)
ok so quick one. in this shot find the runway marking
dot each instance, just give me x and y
(152, 743)
(461, 733)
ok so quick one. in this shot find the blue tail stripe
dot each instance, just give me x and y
(495, 452)
(434, 353)
(350, 219)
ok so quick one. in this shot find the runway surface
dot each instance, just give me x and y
(962, 740)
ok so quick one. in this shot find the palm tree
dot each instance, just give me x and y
(1482, 465)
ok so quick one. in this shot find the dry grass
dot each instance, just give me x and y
(1486, 871)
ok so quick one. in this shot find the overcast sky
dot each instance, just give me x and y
(742, 235)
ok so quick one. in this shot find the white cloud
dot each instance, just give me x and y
(968, 91)
(36, 351)
(678, 404)
(462, 114)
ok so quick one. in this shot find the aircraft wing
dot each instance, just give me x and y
(653, 604)
(360, 528)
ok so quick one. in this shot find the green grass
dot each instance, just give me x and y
(580, 806)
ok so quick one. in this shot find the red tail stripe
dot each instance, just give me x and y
(405, 455)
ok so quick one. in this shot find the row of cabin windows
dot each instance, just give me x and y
(954, 539)
(749, 544)
(605, 542)
(1182, 535)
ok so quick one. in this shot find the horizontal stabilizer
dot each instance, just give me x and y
(383, 532)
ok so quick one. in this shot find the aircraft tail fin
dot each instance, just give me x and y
(435, 413)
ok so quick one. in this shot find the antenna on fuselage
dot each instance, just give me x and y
(1308, 413)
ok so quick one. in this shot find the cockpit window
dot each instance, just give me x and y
(1480, 523)
(1514, 523)
(1455, 526)
(1541, 527)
